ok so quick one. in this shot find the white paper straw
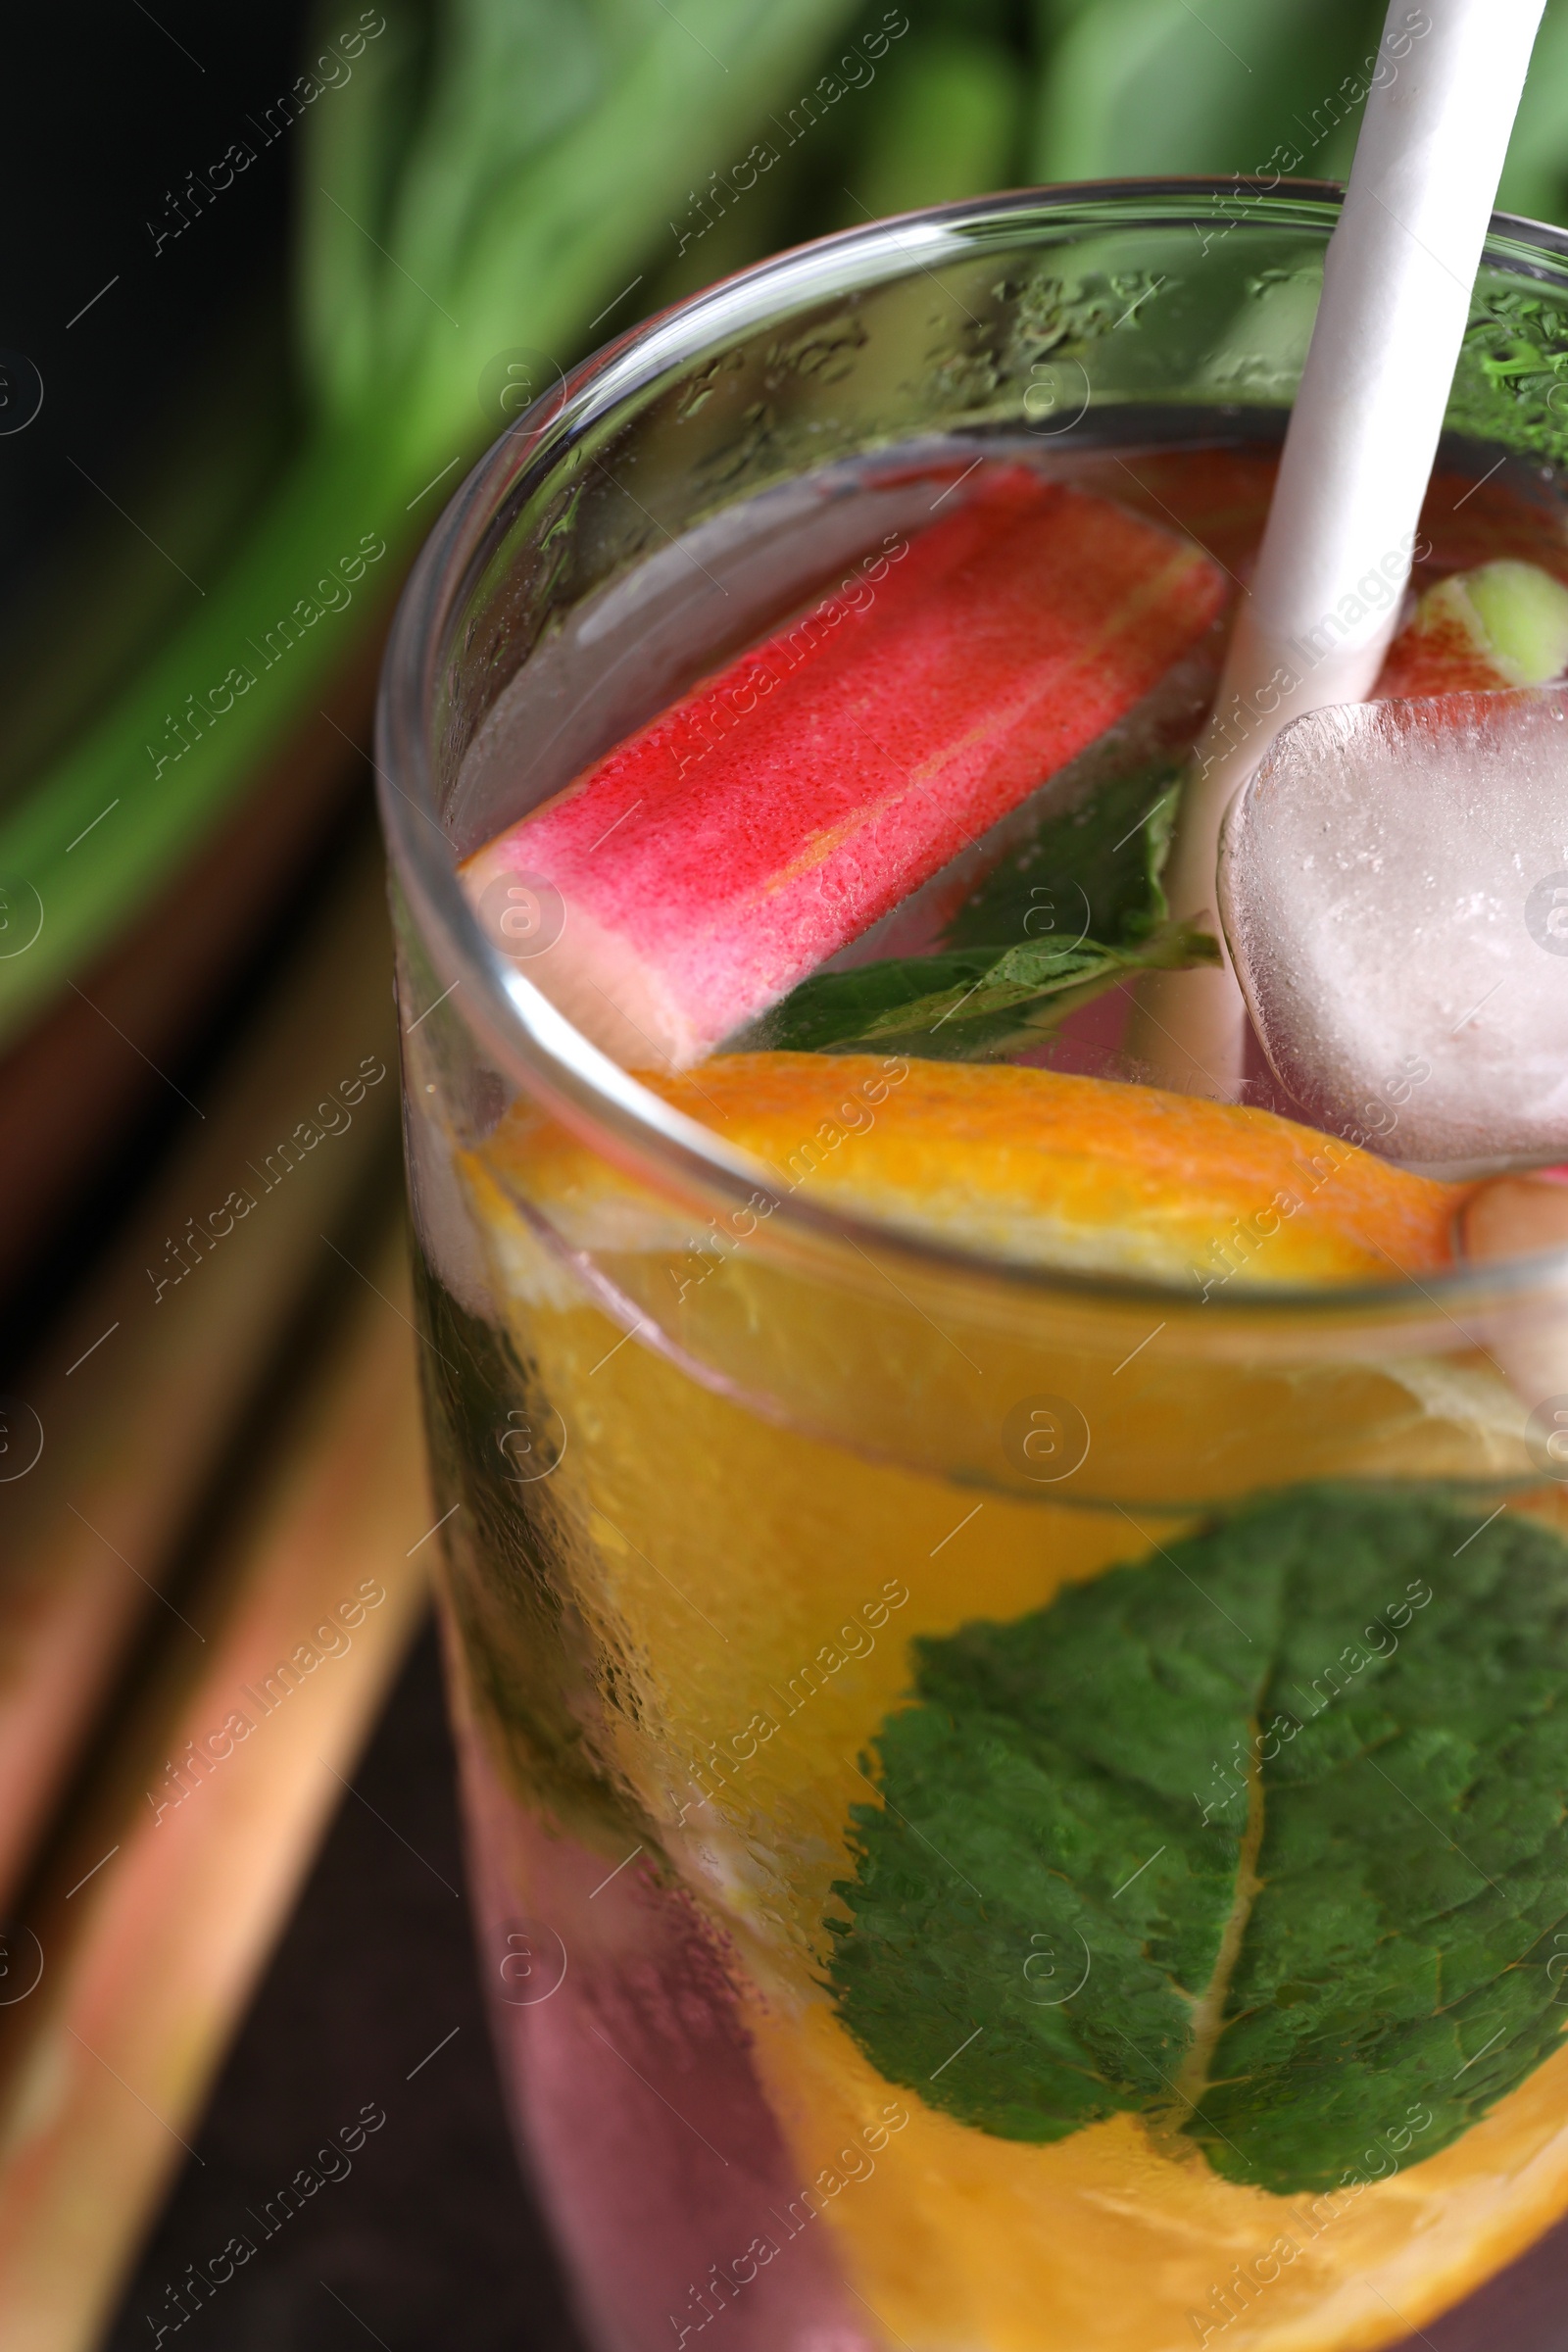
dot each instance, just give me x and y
(1336, 554)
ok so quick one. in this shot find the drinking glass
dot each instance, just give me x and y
(736, 1485)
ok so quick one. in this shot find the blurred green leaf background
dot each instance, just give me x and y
(475, 176)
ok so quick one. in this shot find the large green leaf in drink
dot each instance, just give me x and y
(1262, 1839)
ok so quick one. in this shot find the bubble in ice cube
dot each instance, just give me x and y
(1393, 885)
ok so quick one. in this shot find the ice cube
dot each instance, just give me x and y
(1393, 885)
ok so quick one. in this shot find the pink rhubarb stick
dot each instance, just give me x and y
(693, 874)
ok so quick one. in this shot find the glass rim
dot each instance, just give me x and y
(531, 1042)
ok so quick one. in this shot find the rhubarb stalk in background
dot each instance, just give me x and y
(154, 1366)
(185, 1857)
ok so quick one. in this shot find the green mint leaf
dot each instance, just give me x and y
(963, 1004)
(832, 1008)
(1094, 868)
(1262, 1839)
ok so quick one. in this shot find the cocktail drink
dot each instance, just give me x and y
(1009, 1627)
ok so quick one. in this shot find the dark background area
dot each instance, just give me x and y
(101, 126)
(161, 361)
(166, 405)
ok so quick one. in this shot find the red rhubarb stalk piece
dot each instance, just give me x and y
(692, 875)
